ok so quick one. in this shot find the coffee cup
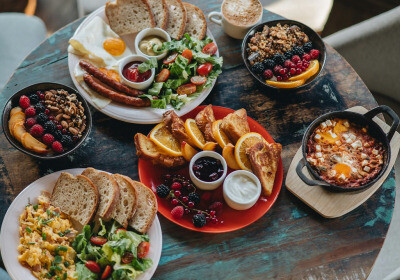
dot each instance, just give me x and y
(237, 16)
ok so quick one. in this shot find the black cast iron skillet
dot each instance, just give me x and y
(373, 129)
(13, 102)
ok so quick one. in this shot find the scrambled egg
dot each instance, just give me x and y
(45, 243)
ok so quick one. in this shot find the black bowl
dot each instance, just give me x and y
(14, 101)
(374, 130)
(312, 35)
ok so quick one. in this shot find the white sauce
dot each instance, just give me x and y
(241, 188)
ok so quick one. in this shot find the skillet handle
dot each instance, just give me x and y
(304, 178)
(391, 113)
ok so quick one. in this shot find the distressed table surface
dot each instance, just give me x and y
(290, 241)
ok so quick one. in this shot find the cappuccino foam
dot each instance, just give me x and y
(242, 12)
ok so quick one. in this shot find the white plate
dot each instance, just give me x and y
(9, 238)
(123, 112)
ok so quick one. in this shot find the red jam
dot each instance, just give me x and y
(132, 73)
(208, 169)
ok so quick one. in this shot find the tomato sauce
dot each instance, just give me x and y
(131, 72)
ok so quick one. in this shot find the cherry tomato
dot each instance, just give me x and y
(93, 266)
(186, 89)
(170, 58)
(198, 80)
(143, 249)
(98, 240)
(162, 76)
(128, 257)
(187, 54)
(210, 48)
(120, 230)
(204, 68)
(106, 272)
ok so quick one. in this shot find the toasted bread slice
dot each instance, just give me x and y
(160, 12)
(146, 208)
(126, 205)
(196, 24)
(204, 120)
(129, 16)
(264, 160)
(146, 149)
(76, 196)
(176, 18)
(235, 125)
(108, 190)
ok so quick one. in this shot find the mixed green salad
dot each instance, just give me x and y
(189, 67)
(111, 253)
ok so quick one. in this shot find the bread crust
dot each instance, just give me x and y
(133, 189)
(203, 18)
(183, 25)
(97, 197)
(166, 15)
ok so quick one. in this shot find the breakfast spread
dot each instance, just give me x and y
(344, 153)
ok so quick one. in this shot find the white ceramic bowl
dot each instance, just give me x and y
(151, 32)
(207, 186)
(232, 201)
(141, 85)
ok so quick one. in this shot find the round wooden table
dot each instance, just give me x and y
(291, 241)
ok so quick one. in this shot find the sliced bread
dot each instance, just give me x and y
(129, 16)
(196, 24)
(127, 202)
(176, 18)
(76, 196)
(160, 12)
(146, 208)
(108, 190)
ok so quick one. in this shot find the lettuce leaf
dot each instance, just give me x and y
(148, 64)
(83, 273)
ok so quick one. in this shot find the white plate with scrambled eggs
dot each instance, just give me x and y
(10, 236)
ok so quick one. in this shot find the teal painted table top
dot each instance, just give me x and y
(290, 241)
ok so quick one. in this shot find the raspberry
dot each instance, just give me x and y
(268, 74)
(288, 64)
(37, 130)
(42, 118)
(283, 71)
(277, 68)
(176, 186)
(30, 112)
(295, 58)
(279, 78)
(30, 122)
(162, 191)
(199, 220)
(306, 64)
(48, 139)
(57, 147)
(177, 212)
(24, 102)
(306, 57)
(292, 71)
(216, 206)
(66, 141)
(298, 71)
(313, 53)
(34, 98)
(194, 197)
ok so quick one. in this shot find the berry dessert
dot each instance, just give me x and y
(48, 121)
(283, 56)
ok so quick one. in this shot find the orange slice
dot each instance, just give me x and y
(291, 84)
(196, 136)
(229, 155)
(245, 142)
(161, 136)
(210, 146)
(188, 151)
(311, 70)
(219, 135)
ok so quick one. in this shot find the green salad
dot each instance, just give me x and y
(111, 253)
(189, 67)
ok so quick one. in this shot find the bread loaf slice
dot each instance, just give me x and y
(108, 190)
(127, 202)
(129, 16)
(196, 24)
(160, 12)
(76, 196)
(176, 18)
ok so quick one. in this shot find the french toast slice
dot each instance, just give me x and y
(176, 126)
(204, 120)
(235, 125)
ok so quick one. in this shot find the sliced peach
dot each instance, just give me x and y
(18, 130)
(15, 110)
(18, 116)
(229, 155)
(187, 151)
(210, 146)
(31, 143)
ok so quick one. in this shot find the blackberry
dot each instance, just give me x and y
(66, 141)
(194, 197)
(39, 108)
(307, 47)
(298, 50)
(258, 68)
(50, 127)
(42, 118)
(289, 55)
(269, 64)
(199, 220)
(279, 58)
(162, 191)
(58, 134)
(34, 98)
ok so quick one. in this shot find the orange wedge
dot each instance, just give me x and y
(229, 155)
(196, 136)
(210, 146)
(291, 84)
(219, 135)
(311, 70)
(245, 142)
(161, 136)
(188, 151)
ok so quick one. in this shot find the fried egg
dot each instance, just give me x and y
(344, 166)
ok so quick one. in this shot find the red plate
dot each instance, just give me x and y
(151, 176)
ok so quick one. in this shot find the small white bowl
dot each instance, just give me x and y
(231, 200)
(207, 186)
(141, 85)
(149, 32)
